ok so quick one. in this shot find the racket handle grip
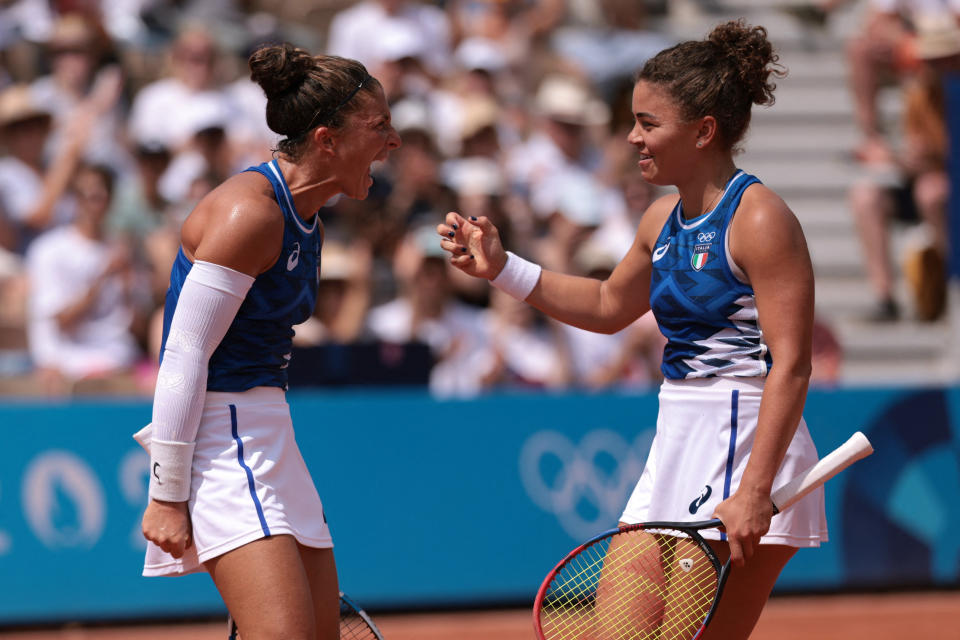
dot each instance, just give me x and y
(856, 448)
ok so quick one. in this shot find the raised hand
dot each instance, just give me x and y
(474, 245)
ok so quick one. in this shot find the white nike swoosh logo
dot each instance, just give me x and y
(659, 252)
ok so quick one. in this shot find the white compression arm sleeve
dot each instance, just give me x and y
(208, 303)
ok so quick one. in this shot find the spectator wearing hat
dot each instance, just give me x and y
(78, 49)
(572, 204)
(374, 31)
(911, 185)
(607, 41)
(403, 62)
(889, 45)
(167, 109)
(32, 190)
(567, 115)
(481, 189)
(480, 129)
(517, 29)
(207, 152)
(23, 24)
(23, 129)
(924, 156)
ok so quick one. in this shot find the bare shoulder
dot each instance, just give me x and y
(654, 218)
(765, 226)
(761, 209)
(246, 199)
(239, 224)
(243, 201)
(660, 208)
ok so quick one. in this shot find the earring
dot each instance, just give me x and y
(700, 144)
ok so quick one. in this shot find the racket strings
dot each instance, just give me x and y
(354, 626)
(636, 585)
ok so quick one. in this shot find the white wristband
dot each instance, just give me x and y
(518, 276)
(170, 467)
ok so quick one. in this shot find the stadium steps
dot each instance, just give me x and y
(801, 148)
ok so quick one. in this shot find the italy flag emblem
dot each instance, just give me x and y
(700, 254)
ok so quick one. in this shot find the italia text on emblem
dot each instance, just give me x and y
(700, 255)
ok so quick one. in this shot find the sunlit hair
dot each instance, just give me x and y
(305, 91)
(722, 76)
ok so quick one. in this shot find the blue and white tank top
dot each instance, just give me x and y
(256, 349)
(706, 312)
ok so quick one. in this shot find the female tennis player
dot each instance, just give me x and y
(725, 268)
(229, 491)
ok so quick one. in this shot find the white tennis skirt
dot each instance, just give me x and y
(705, 432)
(249, 481)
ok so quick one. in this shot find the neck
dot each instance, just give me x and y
(703, 191)
(88, 228)
(309, 191)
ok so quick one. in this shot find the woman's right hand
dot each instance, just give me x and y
(474, 245)
(167, 525)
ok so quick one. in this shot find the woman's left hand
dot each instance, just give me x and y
(746, 517)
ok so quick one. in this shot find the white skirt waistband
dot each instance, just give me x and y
(715, 383)
(256, 395)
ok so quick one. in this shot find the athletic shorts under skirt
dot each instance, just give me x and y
(249, 482)
(705, 432)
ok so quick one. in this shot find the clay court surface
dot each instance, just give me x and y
(926, 616)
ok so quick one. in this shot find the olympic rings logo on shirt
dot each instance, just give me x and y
(706, 237)
(585, 484)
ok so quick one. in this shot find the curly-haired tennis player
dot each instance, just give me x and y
(725, 268)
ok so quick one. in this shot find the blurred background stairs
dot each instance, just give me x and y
(801, 147)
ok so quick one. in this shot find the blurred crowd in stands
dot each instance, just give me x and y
(907, 46)
(117, 116)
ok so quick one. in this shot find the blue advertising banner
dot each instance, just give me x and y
(453, 503)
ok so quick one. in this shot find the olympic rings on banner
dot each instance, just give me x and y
(585, 484)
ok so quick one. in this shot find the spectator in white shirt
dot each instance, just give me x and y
(79, 323)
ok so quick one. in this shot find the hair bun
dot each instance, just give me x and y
(752, 54)
(279, 69)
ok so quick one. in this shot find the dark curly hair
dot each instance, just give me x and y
(722, 76)
(305, 91)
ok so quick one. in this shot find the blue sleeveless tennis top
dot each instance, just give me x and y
(707, 314)
(256, 349)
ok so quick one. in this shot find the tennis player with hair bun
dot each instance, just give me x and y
(725, 268)
(229, 491)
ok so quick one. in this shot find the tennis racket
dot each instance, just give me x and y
(655, 580)
(355, 623)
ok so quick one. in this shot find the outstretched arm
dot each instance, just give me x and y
(601, 306)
